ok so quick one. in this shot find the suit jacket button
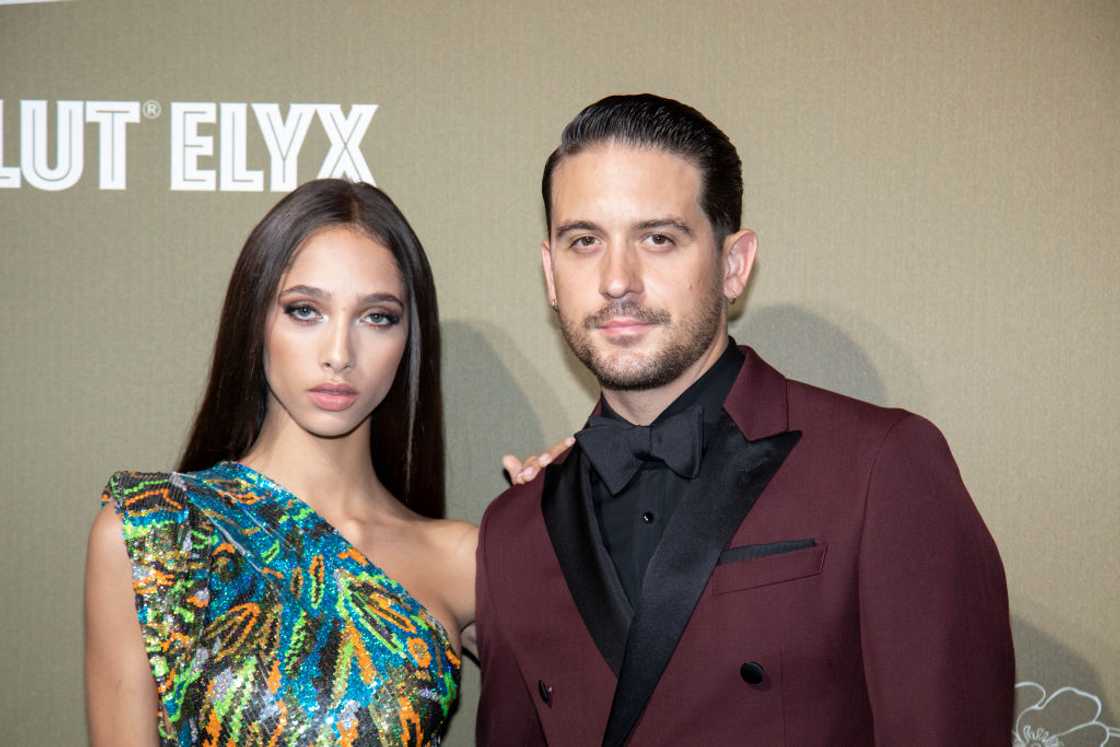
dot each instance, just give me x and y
(545, 691)
(752, 673)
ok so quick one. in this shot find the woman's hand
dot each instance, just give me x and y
(521, 472)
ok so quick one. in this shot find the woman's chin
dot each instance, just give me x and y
(332, 425)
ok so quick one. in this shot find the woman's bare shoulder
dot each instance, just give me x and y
(452, 537)
(453, 545)
(106, 536)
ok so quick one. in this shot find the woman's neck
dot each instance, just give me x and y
(335, 476)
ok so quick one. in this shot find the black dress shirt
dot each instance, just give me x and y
(632, 521)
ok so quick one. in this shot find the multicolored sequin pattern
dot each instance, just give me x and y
(264, 626)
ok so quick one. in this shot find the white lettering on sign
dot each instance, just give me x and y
(9, 175)
(346, 133)
(187, 146)
(284, 138)
(69, 141)
(236, 176)
(112, 117)
(55, 160)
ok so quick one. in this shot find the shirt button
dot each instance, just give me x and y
(647, 517)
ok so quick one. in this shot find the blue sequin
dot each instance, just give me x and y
(264, 625)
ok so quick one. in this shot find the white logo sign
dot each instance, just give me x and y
(1067, 717)
(192, 139)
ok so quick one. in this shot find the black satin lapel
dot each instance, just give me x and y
(734, 474)
(588, 570)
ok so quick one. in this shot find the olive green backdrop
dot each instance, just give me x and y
(935, 187)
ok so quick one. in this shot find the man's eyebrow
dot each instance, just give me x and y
(576, 225)
(670, 222)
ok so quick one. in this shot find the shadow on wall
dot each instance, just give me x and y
(1057, 693)
(809, 348)
(488, 412)
(573, 367)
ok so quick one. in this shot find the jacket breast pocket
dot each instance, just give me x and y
(751, 566)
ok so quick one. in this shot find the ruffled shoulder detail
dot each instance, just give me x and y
(169, 543)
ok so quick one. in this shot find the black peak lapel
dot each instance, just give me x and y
(734, 474)
(591, 576)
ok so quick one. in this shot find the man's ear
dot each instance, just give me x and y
(546, 265)
(739, 250)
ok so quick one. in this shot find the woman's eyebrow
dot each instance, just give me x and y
(306, 290)
(382, 298)
(371, 298)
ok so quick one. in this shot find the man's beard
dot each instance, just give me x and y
(687, 341)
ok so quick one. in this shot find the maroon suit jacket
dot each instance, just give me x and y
(836, 587)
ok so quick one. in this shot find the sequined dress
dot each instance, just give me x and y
(264, 626)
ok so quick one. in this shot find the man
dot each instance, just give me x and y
(726, 556)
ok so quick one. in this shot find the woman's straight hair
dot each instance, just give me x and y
(406, 440)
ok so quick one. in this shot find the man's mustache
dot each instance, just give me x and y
(628, 309)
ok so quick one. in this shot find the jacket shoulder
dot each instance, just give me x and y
(513, 507)
(520, 502)
(816, 409)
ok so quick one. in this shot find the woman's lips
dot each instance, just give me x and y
(333, 398)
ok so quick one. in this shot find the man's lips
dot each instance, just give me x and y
(333, 397)
(622, 324)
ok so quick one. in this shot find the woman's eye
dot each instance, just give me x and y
(301, 312)
(382, 319)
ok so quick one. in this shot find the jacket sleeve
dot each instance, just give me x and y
(934, 624)
(506, 715)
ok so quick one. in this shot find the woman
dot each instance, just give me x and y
(290, 582)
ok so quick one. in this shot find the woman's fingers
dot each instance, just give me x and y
(529, 469)
(511, 464)
(521, 472)
(556, 450)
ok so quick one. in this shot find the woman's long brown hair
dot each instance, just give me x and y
(406, 440)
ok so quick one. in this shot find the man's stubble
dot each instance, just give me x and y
(689, 339)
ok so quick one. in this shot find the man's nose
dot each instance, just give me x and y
(621, 273)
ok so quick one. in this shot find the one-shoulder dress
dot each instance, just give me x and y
(264, 626)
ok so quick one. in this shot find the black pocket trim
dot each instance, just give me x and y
(751, 552)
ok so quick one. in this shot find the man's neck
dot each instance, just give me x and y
(641, 407)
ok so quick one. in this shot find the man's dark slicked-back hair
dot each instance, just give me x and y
(648, 121)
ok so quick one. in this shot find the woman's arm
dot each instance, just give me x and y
(459, 540)
(469, 637)
(121, 703)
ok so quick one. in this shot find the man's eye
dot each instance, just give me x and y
(660, 239)
(301, 312)
(584, 242)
